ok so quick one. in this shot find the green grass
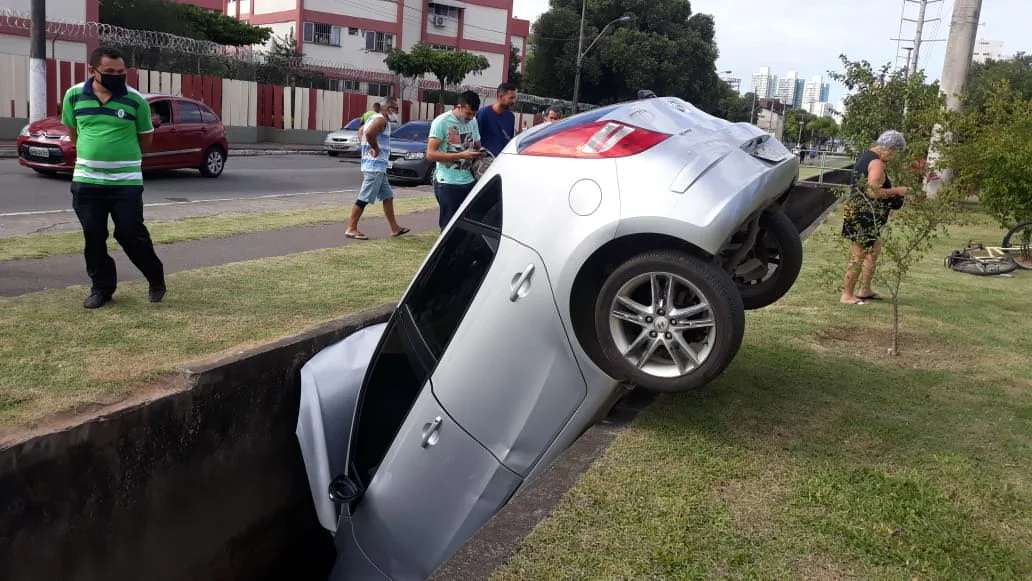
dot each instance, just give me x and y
(56, 356)
(44, 245)
(819, 456)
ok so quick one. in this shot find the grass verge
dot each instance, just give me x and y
(818, 456)
(44, 245)
(85, 355)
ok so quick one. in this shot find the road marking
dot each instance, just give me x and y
(212, 200)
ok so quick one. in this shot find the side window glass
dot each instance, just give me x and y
(446, 288)
(208, 116)
(395, 380)
(189, 113)
(163, 109)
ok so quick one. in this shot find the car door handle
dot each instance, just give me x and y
(521, 283)
(431, 432)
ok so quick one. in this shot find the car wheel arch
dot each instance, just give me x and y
(594, 271)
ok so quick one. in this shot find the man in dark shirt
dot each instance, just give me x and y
(497, 122)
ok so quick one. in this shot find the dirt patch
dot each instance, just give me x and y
(752, 501)
(871, 343)
(102, 405)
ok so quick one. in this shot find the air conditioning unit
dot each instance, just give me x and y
(437, 20)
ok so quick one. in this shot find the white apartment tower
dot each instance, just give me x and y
(987, 50)
(764, 84)
(812, 90)
(786, 91)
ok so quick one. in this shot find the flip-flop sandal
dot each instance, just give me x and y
(400, 232)
(874, 297)
(356, 236)
(859, 302)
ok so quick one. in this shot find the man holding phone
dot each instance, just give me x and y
(454, 143)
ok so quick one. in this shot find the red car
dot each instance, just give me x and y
(187, 135)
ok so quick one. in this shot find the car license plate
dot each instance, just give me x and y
(39, 152)
(390, 164)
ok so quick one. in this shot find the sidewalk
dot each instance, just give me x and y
(9, 151)
(18, 277)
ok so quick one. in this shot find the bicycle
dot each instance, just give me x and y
(1014, 252)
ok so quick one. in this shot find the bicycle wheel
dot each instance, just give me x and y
(983, 266)
(1020, 240)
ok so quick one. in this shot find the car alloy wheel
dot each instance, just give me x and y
(214, 162)
(668, 321)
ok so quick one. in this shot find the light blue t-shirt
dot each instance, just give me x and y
(456, 135)
(383, 142)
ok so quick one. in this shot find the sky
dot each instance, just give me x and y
(807, 36)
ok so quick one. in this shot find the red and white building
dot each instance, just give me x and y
(357, 34)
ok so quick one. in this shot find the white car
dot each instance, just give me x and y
(620, 246)
(345, 141)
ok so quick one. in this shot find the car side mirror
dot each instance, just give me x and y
(156, 120)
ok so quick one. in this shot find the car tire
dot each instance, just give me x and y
(429, 178)
(778, 240)
(333, 153)
(214, 162)
(685, 354)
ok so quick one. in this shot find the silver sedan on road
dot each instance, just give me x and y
(618, 247)
(344, 141)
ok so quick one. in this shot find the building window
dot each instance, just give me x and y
(352, 31)
(380, 90)
(325, 34)
(441, 47)
(347, 85)
(446, 11)
(379, 41)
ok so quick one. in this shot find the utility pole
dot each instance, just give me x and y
(580, 57)
(38, 62)
(960, 48)
(914, 52)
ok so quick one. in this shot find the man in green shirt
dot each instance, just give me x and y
(110, 125)
(454, 143)
(368, 114)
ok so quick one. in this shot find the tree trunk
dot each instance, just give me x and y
(894, 350)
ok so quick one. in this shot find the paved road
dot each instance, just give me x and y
(22, 190)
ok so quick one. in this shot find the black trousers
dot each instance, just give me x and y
(93, 204)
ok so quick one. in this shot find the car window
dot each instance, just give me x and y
(412, 132)
(189, 113)
(354, 124)
(447, 286)
(207, 115)
(163, 109)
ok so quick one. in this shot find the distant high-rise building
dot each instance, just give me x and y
(764, 83)
(734, 82)
(800, 84)
(825, 91)
(787, 88)
(987, 50)
(815, 90)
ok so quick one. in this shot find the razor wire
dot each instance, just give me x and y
(67, 30)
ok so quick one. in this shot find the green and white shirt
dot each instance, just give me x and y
(107, 147)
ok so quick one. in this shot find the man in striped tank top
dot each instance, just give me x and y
(375, 139)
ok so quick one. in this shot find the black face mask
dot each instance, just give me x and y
(113, 83)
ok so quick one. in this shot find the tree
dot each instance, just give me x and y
(992, 151)
(182, 20)
(821, 128)
(1016, 73)
(515, 76)
(450, 67)
(664, 47)
(890, 99)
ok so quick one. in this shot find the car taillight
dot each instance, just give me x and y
(601, 139)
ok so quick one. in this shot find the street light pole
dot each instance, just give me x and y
(581, 51)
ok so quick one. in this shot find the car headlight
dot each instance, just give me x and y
(65, 138)
(414, 155)
(24, 131)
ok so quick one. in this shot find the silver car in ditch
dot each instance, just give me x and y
(618, 247)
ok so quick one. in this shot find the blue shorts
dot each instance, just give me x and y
(375, 188)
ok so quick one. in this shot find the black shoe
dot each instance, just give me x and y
(96, 300)
(156, 293)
